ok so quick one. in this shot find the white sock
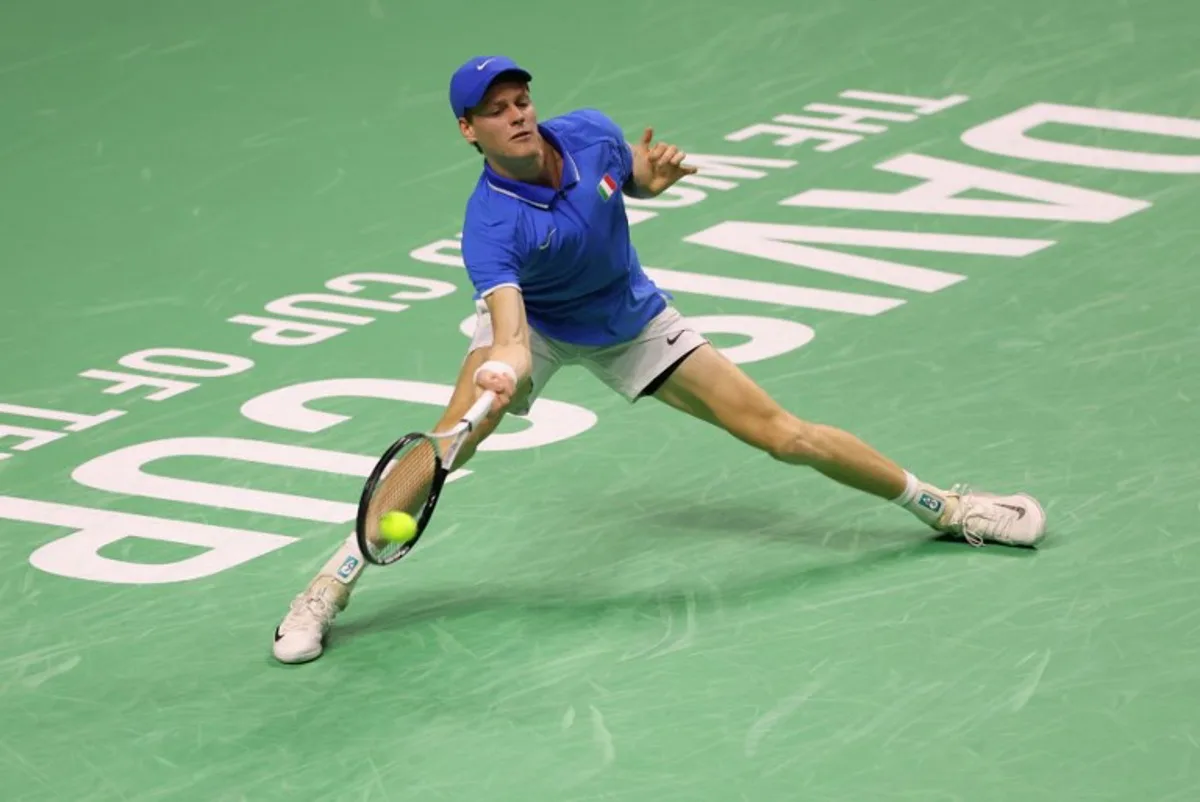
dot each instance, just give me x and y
(346, 564)
(924, 501)
(910, 490)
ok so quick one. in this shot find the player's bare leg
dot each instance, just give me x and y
(710, 387)
(300, 637)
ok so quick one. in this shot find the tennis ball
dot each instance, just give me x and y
(398, 526)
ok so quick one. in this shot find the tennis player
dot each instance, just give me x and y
(557, 281)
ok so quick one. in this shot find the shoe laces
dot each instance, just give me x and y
(978, 518)
(308, 611)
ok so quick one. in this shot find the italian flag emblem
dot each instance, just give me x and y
(607, 186)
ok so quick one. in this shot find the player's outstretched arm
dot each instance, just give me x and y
(510, 362)
(655, 167)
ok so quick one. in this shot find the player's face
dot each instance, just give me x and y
(505, 123)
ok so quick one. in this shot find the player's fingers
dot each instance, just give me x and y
(496, 382)
(683, 169)
(502, 391)
(668, 155)
(647, 135)
(501, 401)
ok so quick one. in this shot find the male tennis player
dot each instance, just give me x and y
(546, 245)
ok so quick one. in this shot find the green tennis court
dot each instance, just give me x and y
(964, 231)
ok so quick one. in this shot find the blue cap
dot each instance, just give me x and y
(470, 82)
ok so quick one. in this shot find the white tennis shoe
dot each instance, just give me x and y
(300, 637)
(1016, 520)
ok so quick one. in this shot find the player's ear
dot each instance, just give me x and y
(468, 132)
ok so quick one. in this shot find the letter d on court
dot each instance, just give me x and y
(1010, 136)
(77, 556)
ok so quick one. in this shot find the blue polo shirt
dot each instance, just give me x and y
(567, 250)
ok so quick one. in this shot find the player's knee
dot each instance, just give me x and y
(794, 441)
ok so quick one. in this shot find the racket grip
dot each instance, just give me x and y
(479, 409)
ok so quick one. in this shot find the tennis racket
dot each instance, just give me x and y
(409, 478)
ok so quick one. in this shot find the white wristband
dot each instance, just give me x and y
(496, 366)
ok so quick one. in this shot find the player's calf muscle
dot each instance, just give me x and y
(788, 439)
(710, 387)
(833, 452)
(840, 456)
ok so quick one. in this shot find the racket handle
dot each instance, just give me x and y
(480, 408)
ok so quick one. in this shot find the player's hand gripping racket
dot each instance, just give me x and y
(409, 478)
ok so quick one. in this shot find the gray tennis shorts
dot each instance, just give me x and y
(627, 368)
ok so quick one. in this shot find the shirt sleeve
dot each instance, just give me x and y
(491, 253)
(603, 125)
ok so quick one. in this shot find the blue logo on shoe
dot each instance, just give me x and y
(931, 503)
(348, 567)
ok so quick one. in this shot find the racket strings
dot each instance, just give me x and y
(405, 487)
